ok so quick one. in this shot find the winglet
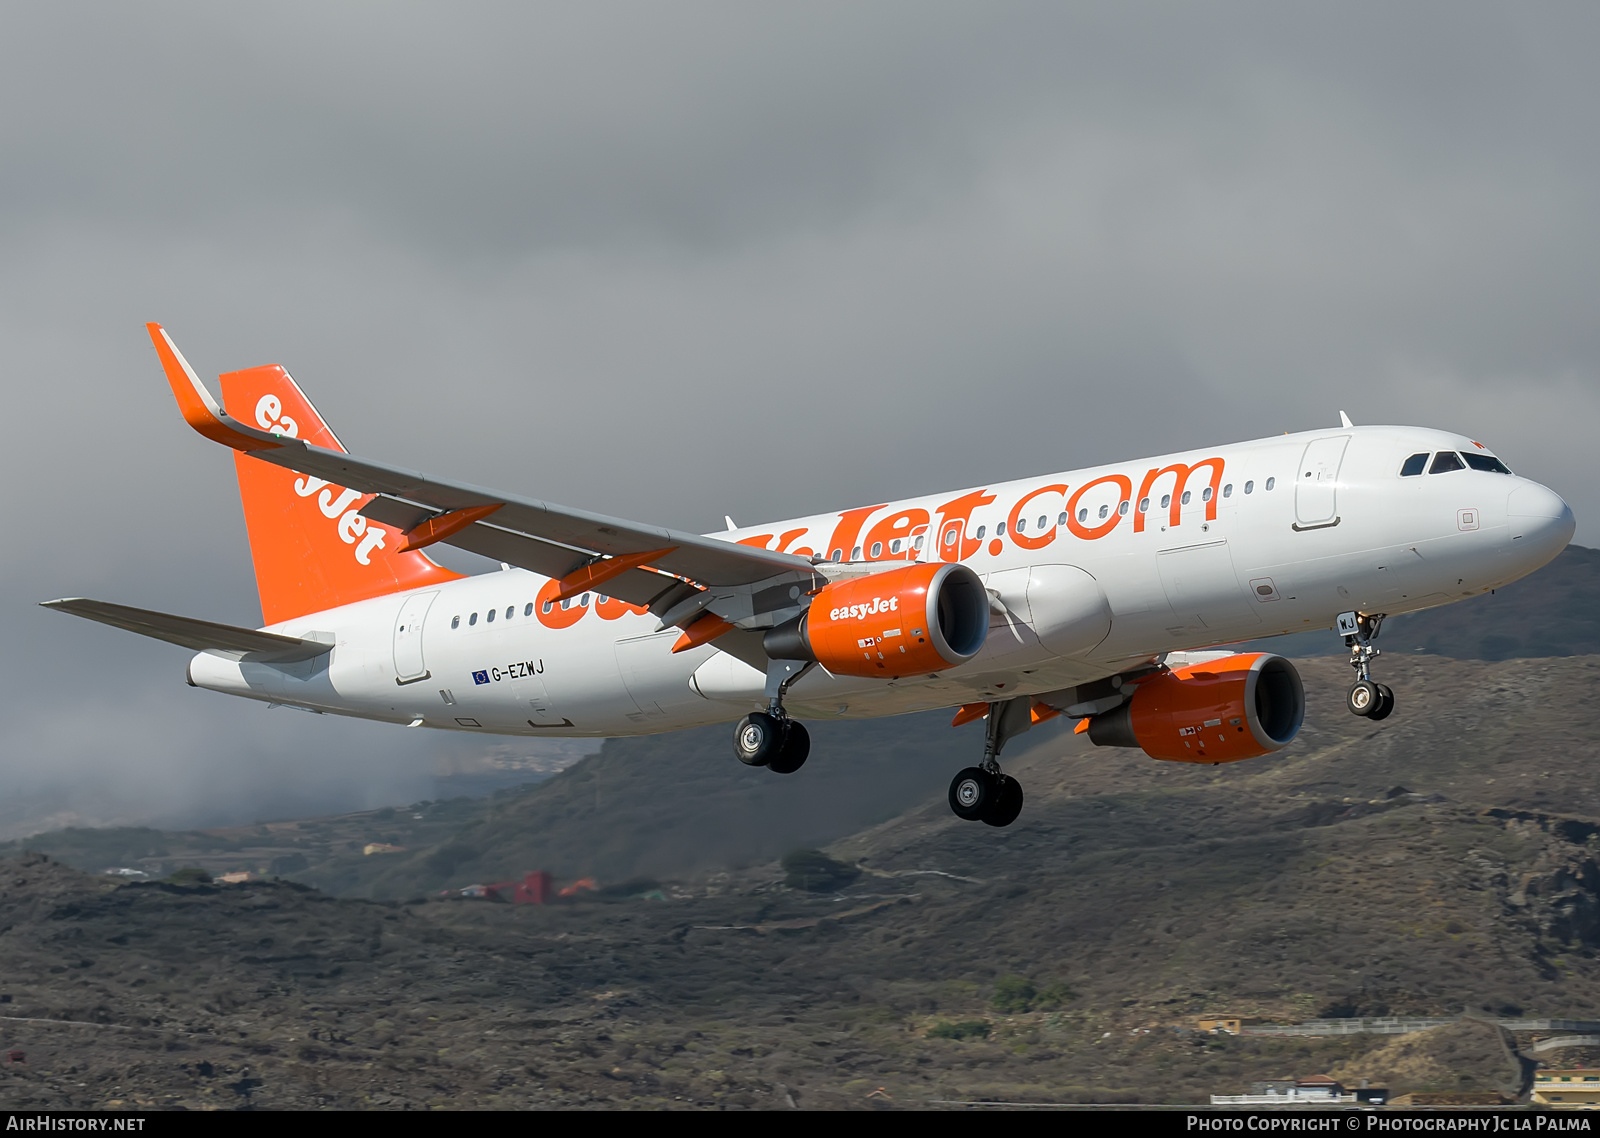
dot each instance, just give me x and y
(200, 410)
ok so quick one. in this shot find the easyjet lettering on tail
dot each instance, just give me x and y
(1017, 602)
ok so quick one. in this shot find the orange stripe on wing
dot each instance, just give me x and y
(702, 631)
(441, 526)
(596, 573)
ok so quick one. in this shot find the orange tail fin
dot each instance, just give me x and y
(312, 549)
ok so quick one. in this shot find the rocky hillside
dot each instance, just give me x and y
(1442, 862)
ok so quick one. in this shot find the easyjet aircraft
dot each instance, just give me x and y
(1088, 594)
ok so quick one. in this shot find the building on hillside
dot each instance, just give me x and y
(1316, 1090)
(1572, 1088)
(1226, 1025)
(1450, 1098)
(381, 848)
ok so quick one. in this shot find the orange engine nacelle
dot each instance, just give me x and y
(920, 619)
(1234, 708)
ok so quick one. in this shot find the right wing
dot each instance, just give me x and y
(667, 570)
(201, 635)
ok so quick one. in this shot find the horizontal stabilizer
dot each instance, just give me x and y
(201, 635)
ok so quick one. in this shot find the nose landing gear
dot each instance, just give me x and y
(984, 793)
(1366, 698)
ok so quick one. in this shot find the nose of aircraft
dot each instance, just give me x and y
(1541, 523)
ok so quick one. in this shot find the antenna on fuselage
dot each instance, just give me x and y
(729, 520)
(1344, 420)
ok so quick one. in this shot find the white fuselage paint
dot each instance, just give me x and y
(1339, 530)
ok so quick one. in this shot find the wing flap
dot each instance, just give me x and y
(187, 632)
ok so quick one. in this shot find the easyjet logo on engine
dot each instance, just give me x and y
(861, 612)
(337, 504)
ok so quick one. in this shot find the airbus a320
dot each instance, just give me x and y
(1100, 594)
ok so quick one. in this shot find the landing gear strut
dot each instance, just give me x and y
(1373, 700)
(770, 738)
(984, 793)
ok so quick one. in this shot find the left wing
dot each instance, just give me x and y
(201, 635)
(678, 575)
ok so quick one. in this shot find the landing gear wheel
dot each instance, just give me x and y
(1007, 804)
(973, 792)
(1385, 703)
(1363, 698)
(757, 739)
(796, 745)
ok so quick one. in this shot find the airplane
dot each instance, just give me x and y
(1107, 595)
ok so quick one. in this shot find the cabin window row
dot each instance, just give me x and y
(527, 609)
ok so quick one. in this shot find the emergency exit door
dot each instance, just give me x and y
(409, 665)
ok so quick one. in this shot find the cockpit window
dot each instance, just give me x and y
(1416, 464)
(1485, 462)
(1444, 462)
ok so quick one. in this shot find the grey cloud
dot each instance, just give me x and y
(679, 261)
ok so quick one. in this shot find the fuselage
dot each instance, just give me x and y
(1094, 571)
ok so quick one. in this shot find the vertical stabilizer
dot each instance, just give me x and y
(311, 547)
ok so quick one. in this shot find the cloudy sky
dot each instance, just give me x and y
(677, 261)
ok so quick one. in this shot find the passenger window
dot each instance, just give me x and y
(916, 542)
(1166, 500)
(1205, 495)
(565, 605)
(1000, 530)
(1185, 498)
(473, 619)
(548, 606)
(1271, 482)
(1104, 510)
(981, 531)
(894, 546)
(583, 601)
(855, 554)
(1043, 521)
(1414, 465)
(1122, 509)
(1022, 525)
(455, 622)
(1062, 520)
(510, 611)
(1444, 462)
(877, 549)
(1250, 487)
(1227, 491)
(1083, 514)
(528, 609)
(1144, 505)
(489, 616)
(838, 554)
(1485, 462)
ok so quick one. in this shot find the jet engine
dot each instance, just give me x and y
(1234, 708)
(916, 620)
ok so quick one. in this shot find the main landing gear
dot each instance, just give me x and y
(1373, 700)
(770, 738)
(776, 742)
(985, 793)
